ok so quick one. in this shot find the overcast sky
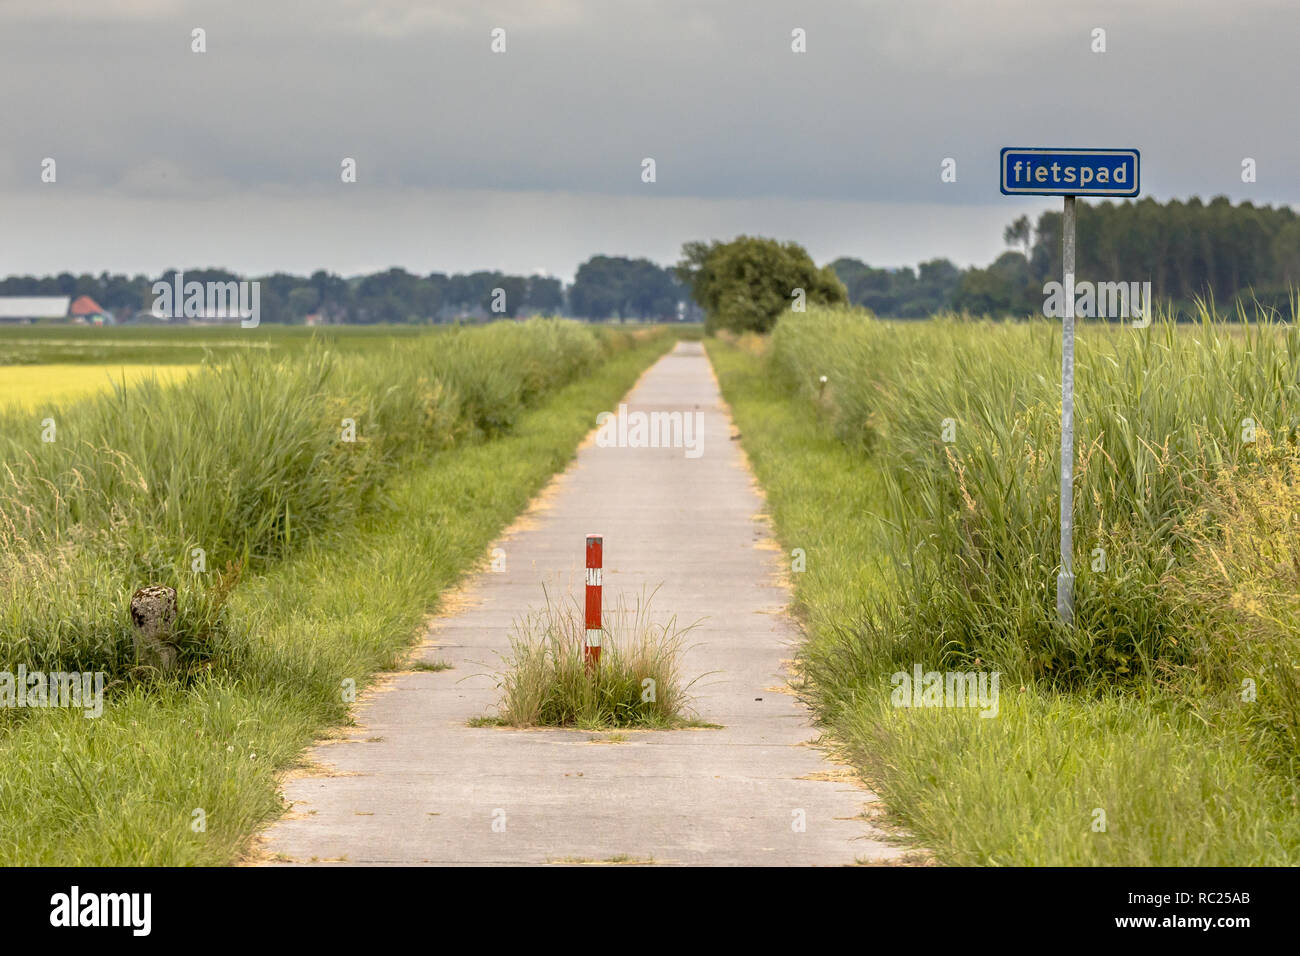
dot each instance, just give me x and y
(531, 159)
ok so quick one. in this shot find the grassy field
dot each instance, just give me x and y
(1162, 730)
(42, 367)
(918, 481)
(37, 387)
(185, 345)
(322, 557)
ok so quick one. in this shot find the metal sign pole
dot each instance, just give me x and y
(1065, 579)
(1068, 172)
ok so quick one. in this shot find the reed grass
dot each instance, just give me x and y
(243, 461)
(1172, 704)
(337, 602)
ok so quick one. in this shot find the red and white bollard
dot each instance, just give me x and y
(595, 561)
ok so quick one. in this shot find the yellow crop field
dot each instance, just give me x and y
(33, 385)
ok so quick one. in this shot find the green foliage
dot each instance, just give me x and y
(1170, 762)
(1243, 254)
(1006, 286)
(244, 460)
(1159, 415)
(545, 295)
(395, 297)
(608, 287)
(509, 300)
(902, 293)
(1187, 250)
(121, 790)
(1238, 597)
(745, 284)
(1024, 789)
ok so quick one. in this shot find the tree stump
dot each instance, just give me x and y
(153, 612)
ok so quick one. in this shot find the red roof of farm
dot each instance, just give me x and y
(85, 305)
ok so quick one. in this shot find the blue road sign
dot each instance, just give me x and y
(1030, 171)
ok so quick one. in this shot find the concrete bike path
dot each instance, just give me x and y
(414, 783)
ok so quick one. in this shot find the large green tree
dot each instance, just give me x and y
(745, 284)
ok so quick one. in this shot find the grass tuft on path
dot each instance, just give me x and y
(637, 683)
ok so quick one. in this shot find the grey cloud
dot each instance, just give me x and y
(589, 88)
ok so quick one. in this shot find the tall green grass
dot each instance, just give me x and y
(1186, 771)
(243, 461)
(1161, 413)
(334, 607)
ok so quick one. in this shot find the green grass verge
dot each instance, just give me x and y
(1023, 788)
(178, 774)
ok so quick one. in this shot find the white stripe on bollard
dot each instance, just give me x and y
(595, 562)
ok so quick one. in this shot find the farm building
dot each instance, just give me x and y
(85, 309)
(24, 309)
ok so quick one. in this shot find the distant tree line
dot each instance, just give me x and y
(900, 292)
(605, 287)
(1243, 253)
(1185, 250)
